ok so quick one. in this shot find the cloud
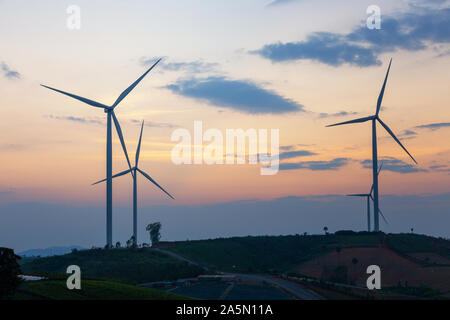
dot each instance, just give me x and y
(196, 67)
(240, 95)
(8, 73)
(295, 154)
(434, 126)
(156, 124)
(337, 114)
(286, 148)
(279, 2)
(412, 31)
(394, 165)
(407, 135)
(12, 147)
(440, 168)
(75, 119)
(328, 48)
(334, 164)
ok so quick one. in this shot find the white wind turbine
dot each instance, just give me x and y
(109, 110)
(374, 118)
(133, 172)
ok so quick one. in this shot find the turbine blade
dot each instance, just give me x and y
(88, 101)
(114, 176)
(379, 169)
(119, 133)
(382, 215)
(154, 182)
(395, 138)
(134, 84)
(380, 97)
(357, 195)
(138, 150)
(353, 121)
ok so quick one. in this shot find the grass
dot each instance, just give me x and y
(90, 290)
(126, 265)
(266, 253)
(411, 243)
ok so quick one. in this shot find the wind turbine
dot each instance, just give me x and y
(109, 110)
(374, 118)
(369, 197)
(133, 171)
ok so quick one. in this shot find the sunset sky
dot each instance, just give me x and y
(295, 66)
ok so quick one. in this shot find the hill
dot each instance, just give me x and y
(282, 253)
(90, 290)
(47, 252)
(411, 263)
(126, 265)
(265, 254)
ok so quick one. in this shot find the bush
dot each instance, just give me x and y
(9, 272)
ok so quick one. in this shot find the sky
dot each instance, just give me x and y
(291, 65)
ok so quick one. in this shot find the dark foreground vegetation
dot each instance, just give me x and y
(274, 254)
(90, 290)
(126, 265)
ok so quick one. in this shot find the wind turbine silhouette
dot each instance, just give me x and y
(369, 197)
(374, 118)
(109, 110)
(133, 171)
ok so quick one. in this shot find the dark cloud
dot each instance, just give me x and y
(337, 114)
(394, 165)
(412, 31)
(295, 154)
(196, 67)
(328, 48)
(240, 95)
(279, 2)
(434, 126)
(286, 148)
(440, 168)
(75, 119)
(334, 164)
(9, 73)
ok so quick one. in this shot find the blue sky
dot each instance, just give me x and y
(292, 65)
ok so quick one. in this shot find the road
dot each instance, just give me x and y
(294, 289)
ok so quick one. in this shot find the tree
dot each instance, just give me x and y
(412, 230)
(131, 243)
(154, 230)
(118, 244)
(325, 229)
(9, 272)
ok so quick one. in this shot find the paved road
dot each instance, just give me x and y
(179, 257)
(295, 289)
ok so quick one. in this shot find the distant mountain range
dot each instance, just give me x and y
(52, 251)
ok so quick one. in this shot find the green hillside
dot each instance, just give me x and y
(90, 290)
(126, 265)
(264, 254)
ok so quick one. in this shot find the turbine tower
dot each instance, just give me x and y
(133, 171)
(374, 118)
(109, 110)
(369, 197)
